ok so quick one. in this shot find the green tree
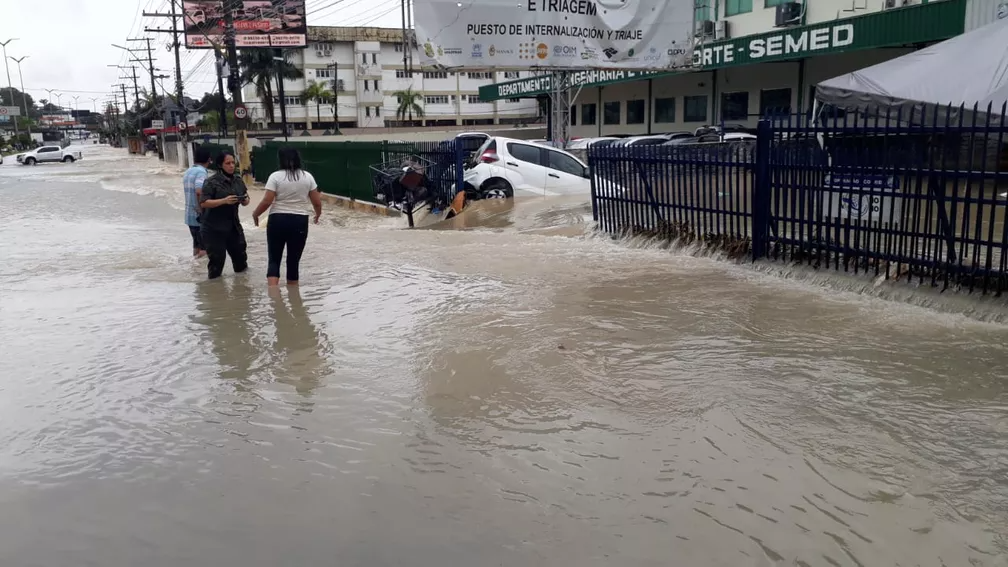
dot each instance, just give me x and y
(210, 121)
(258, 68)
(319, 93)
(409, 104)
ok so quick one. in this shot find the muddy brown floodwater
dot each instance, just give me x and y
(520, 392)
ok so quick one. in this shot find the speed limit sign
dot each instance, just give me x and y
(240, 112)
(182, 126)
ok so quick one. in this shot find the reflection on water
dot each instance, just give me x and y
(493, 396)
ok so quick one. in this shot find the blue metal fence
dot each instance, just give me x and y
(918, 195)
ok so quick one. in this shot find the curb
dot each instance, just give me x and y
(362, 206)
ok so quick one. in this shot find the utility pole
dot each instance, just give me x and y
(220, 90)
(335, 93)
(150, 64)
(175, 44)
(10, 87)
(279, 60)
(234, 85)
(24, 95)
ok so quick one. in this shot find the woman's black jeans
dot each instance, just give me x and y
(290, 231)
(219, 244)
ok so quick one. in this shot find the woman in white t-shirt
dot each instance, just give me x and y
(288, 192)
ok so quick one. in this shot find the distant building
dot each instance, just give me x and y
(369, 70)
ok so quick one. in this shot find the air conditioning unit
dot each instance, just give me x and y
(722, 30)
(788, 14)
(892, 4)
(703, 29)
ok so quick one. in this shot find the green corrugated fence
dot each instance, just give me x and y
(340, 168)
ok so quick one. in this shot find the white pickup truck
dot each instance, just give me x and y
(45, 154)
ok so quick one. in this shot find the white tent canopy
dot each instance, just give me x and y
(967, 70)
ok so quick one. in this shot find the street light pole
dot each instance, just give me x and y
(24, 95)
(10, 87)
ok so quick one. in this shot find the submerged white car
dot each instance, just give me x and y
(44, 154)
(506, 167)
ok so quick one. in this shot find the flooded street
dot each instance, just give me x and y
(520, 393)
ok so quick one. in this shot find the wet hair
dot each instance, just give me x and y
(290, 162)
(219, 162)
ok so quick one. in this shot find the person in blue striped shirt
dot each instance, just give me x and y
(192, 184)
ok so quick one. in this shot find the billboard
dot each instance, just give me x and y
(257, 23)
(561, 34)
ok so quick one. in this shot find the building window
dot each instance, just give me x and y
(376, 87)
(664, 110)
(480, 76)
(635, 111)
(511, 74)
(736, 7)
(398, 48)
(377, 111)
(436, 99)
(775, 102)
(400, 74)
(573, 115)
(363, 58)
(374, 57)
(367, 111)
(771, 3)
(611, 112)
(514, 100)
(735, 106)
(702, 10)
(588, 113)
(695, 108)
(288, 100)
(473, 99)
(435, 75)
(367, 85)
(323, 73)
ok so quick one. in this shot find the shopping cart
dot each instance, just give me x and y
(402, 184)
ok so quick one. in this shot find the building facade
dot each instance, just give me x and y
(755, 58)
(366, 68)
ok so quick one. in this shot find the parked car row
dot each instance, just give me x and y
(703, 135)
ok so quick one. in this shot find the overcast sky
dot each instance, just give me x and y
(68, 42)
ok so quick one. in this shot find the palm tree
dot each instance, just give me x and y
(319, 93)
(259, 68)
(408, 104)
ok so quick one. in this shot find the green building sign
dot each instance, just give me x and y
(921, 23)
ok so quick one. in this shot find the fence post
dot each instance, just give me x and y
(459, 173)
(591, 178)
(761, 190)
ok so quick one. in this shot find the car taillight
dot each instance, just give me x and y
(489, 157)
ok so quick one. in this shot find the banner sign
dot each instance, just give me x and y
(257, 23)
(560, 34)
(10, 111)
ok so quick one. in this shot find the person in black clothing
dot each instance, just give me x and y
(220, 229)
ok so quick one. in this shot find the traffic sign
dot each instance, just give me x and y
(182, 126)
(157, 124)
(240, 112)
(10, 111)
